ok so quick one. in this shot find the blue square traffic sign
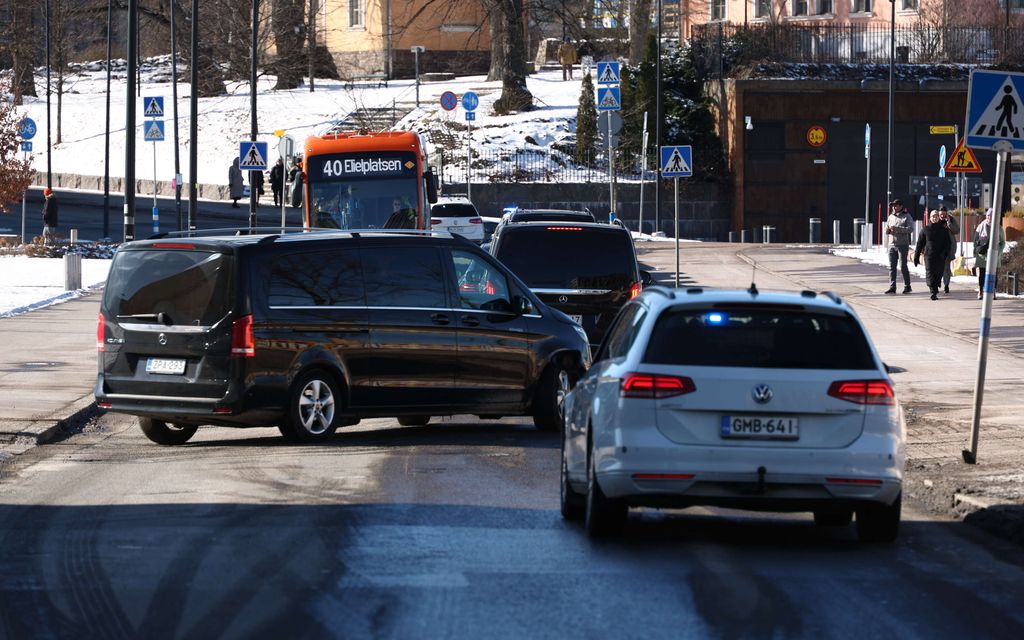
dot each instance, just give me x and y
(153, 106)
(154, 131)
(252, 156)
(608, 73)
(677, 161)
(995, 111)
(609, 99)
(26, 146)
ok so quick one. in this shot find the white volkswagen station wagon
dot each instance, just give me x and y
(739, 399)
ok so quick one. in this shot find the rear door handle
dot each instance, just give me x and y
(470, 321)
(440, 318)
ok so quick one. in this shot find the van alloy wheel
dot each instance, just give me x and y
(314, 408)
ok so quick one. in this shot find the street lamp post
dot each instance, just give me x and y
(193, 125)
(129, 121)
(417, 50)
(253, 193)
(892, 95)
(106, 153)
(657, 124)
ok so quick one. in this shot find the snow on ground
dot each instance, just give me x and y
(224, 120)
(27, 284)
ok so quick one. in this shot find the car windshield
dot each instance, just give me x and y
(363, 191)
(726, 336)
(170, 287)
(565, 257)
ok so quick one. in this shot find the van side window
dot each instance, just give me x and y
(479, 284)
(623, 332)
(318, 279)
(404, 277)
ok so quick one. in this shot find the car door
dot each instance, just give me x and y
(412, 328)
(494, 367)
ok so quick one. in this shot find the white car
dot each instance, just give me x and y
(457, 215)
(740, 399)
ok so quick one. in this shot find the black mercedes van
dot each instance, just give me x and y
(315, 330)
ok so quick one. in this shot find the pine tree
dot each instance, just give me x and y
(586, 124)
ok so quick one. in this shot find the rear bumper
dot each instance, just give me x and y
(228, 410)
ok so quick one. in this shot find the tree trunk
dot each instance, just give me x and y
(21, 50)
(639, 25)
(514, 94)
(289, 29)
(494, 17)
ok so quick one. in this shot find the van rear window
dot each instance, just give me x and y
(768, 338)
(565, 257)
(169, 287)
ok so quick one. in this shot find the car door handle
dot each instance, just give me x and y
(440, 318)
(470, 321)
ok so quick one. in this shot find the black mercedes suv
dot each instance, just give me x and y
(312, 331)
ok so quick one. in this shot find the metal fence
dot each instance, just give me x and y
(723, 46)
(527, 165)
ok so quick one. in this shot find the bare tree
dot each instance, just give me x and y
(639, 25)
(511, 55)
(289, 27)
(15, 173)
(17, 41)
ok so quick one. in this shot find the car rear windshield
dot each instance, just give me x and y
(567, 257)
(453, 210)
(553, 216)
(760, 338)
(172, 287)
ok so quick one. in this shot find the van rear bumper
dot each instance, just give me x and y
(225, 411)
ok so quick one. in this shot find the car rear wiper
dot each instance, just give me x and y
(161, 317)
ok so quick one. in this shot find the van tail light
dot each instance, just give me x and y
(243, 341)
(863, 391)
(435, 221)
(635, 290)
(646, 385)
(101, 334)
(475, 221)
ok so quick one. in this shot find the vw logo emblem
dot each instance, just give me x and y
(563, 299)
(762, 393)
(162, 339)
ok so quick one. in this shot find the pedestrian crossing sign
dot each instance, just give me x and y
(252, 156)
(607, 73)
(963, 160)
(995, 111)
(154, 106)
(154, 131)
(677, 161)
(609, 99)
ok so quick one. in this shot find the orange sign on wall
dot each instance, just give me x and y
(816, 136)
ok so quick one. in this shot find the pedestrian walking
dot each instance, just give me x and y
(277, 180)
(934, 245)
(295, 177)
(954, 234)
(50, 217)
(982, 237)
(235, 183)
(899, 225)
(566, 58)
(257, 184)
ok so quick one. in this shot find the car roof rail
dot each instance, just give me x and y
(832, 296)
(663, 290)
(695, 290)
(246, 230)
(807, 293)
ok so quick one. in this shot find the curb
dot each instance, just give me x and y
(40, 432)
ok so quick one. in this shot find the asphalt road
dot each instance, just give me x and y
(448, 530)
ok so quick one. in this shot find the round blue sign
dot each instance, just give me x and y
(449, 100)
(470, 101)
(27, 128)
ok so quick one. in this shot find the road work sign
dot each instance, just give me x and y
(252, 156)
(963, 160)
(677, 162)
(995, 111)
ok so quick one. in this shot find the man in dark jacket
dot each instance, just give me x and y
(50, 219)
(277, 180)
(934, 244)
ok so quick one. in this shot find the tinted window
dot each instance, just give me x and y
(480, 284)
(623, 333)
(770, 338)
(187, 287)
(404, 277)
(566, 258)
(323, 278)
(454, 210)
(552, 216)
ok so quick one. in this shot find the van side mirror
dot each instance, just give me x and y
(431, 179)
(646, 279)
(522, 305)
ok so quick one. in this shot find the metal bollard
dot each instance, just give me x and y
(1011, 284)
(835, 232)
(732, 236)
(72, 271)
(743, 236)
(769, 232)
(858, 230)
(814, 236)
(74, 237)
(758, 235)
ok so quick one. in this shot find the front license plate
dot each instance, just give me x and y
(764, 427)
(577, 319)
(165, 366)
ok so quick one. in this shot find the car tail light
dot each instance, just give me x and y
(475, 221)
(104, 405)
(662, 476)
(635, 290)
(863, 391)
(646, 385)
(101, 334)
(173, 245)
(435, 221)
(223, 410)
(243, 341)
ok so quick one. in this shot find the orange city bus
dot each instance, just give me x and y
(368, 181)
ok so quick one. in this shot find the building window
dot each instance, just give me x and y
(800, 8)
(909, 5)
(824, 7)
(717, 9)
(355, 13)
(862, 6)
(762, 8)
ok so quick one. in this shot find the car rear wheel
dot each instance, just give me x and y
(604, 516)
(879, 522)
(313, 408)
(549, 403)
(170, 434)
(833, 518)
(573, 505)
(413, 421)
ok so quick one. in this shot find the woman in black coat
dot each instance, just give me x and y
(935, 244)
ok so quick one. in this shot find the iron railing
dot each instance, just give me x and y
(527, 165)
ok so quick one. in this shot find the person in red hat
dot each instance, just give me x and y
(49, 215)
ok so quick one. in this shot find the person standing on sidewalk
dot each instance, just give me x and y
(954, 233)
(235, 182)
(982, 236)
(50, 218)
(899, 226)
(277, 181)
(934, 245)
(566, 57)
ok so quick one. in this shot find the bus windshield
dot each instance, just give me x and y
(377, 190)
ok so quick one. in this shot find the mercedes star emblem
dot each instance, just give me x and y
(162, 339)
(563, 299)
(762, 393)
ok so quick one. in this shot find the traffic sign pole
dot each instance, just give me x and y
(867, 174)
(24, 197)
(611, 171)
(676, 181)
(156, 212)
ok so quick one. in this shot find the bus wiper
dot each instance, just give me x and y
(161, 317)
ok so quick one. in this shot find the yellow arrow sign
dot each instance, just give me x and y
(941, 129)
(963, 160)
